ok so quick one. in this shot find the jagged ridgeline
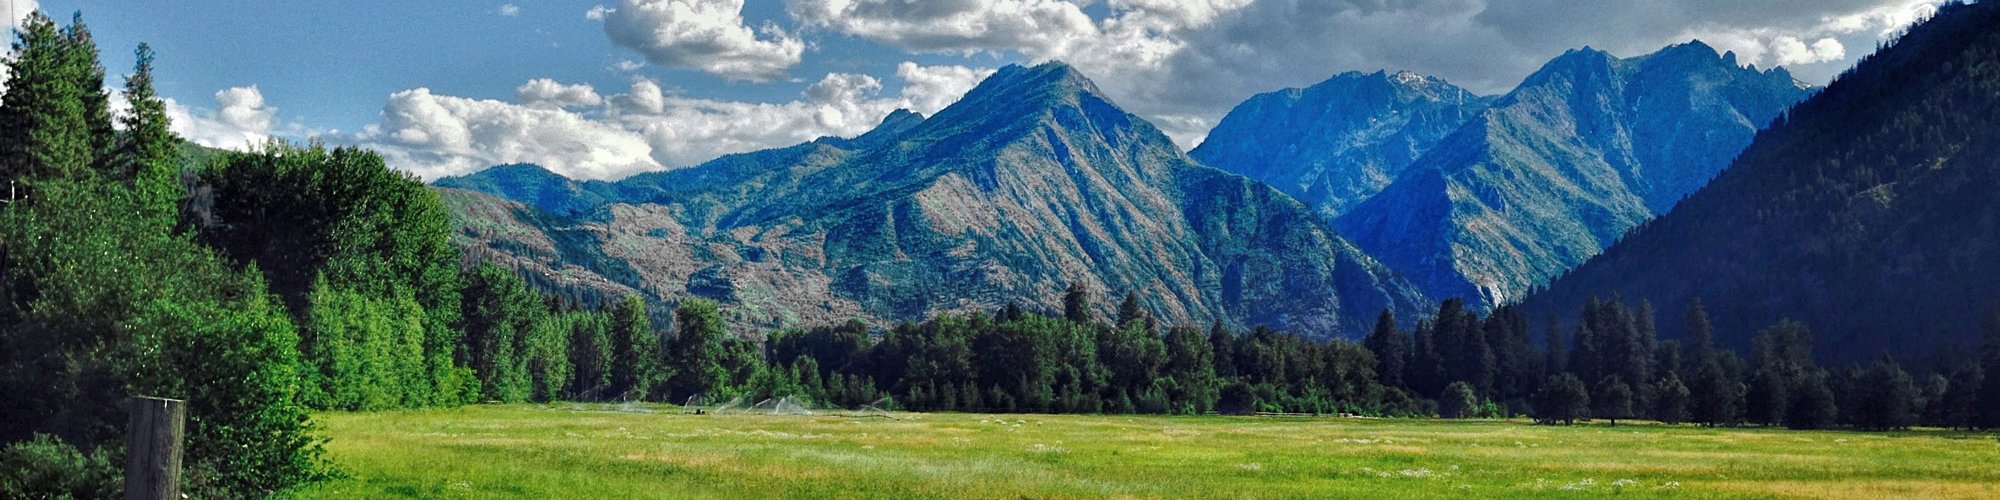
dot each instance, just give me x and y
(1585, 148)
(1338, 142)
(1869, 212)
(1030, 182)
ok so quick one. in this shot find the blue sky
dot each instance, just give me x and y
(607, 88)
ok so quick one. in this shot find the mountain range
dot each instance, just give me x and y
(1868, 212)
(1032, 181)
(1337, 143)
(1583, 150)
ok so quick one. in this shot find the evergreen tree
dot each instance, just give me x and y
(696, 353)
(1961, 398)
(1426, 375)
(635, 348)
(1224, 345)
(1714, 398)
(1884, 397)
(1563, 400)
(1812, 404)
(1700, 343)
(1190, 370)
(1613, 400)
(1391, 348)
(1556, 358)
(45, 126)
(1076, 304)
(1129, 310)
(149, 156)
(591, 354)
(1670, 400)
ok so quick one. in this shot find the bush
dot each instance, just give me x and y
(46, 467)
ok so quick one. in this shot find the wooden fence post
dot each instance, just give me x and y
(153, 449)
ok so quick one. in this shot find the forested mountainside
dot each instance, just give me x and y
(1583, 150)
(1338, 142)
(1031, 182)
(1868, 212)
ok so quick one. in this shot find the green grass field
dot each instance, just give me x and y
(595, 451)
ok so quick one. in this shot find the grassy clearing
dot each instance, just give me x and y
(594, 451)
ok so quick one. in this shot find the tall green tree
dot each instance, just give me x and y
(1563, 399)
(1884, 397)
(149, 156)
(696, 352)
(1391, 347)
(1612, 400)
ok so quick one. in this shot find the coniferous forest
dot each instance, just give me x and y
(266, 285)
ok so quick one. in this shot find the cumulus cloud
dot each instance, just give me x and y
(241, 119)
(686, 131)
(707, 35)
(543, 92)
(1031, 26)
(509, 10)
(572, 130)
(435, 135)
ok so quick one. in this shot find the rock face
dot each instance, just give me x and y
(1032, 181)
(1586, 148)
(1337, 143)
(1869, 213)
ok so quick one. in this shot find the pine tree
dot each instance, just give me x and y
(1129, 310)
(1391, 348)
(1670, 400)
(636, 358)
(1563, 399)
(1700, 343)
(1613, 400)
(1714, 398)
(1961, 398)
(45, 128)
(1076, 304)
(696, 353)
(149, 155)
(1884, 397)
(1812, 404)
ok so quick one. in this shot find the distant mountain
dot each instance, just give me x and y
(1870, 213)
(536, 186)
(1337, 143)
(1586, 148)
(1030, 182)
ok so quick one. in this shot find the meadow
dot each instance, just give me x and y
(612, 451)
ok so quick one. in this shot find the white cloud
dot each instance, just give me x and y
(929, 89)
(572, 130)
(1788, 50)
(435, 136)
(687, 131)
(1036, 27)
(240, 120)
(543, 92)
(509, 10)
(597, 13)
(627, 65)
(708, 35)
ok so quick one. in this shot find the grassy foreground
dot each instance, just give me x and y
(596, 451)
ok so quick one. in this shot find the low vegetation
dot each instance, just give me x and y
(608, 451)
